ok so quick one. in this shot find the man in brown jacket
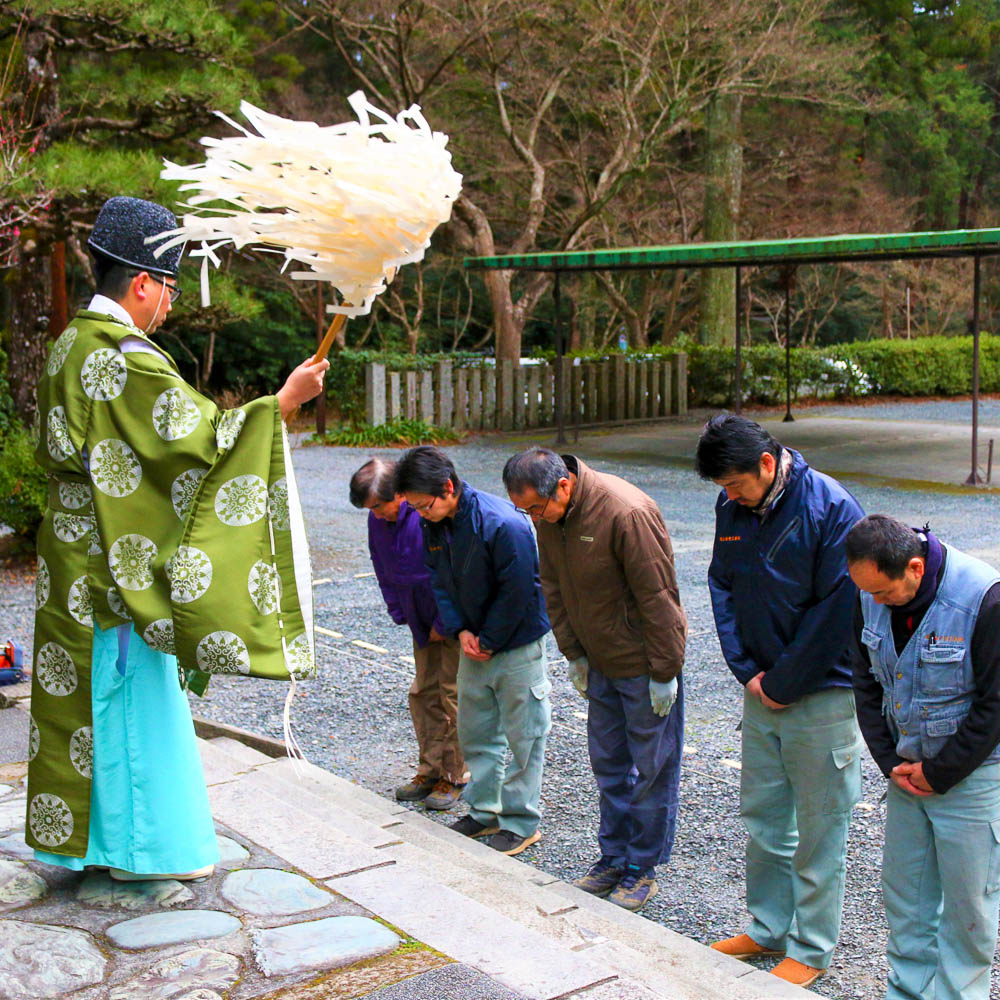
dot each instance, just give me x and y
(607, 571)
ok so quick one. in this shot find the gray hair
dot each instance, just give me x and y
(539, 468)
(888, 543)
(373, 480)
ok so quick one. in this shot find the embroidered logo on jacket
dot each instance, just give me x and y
(730, 538)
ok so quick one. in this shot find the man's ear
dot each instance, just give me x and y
(138, 283)
(768, 464)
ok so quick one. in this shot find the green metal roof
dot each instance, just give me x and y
(811, 250)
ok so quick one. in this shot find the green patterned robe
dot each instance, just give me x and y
(165, 511)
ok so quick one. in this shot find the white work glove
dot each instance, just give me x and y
(579, 671)
(662, 695)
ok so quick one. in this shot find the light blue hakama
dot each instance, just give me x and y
(149, 810)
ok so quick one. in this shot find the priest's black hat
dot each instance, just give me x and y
(120, 233)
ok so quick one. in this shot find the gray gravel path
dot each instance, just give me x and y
(353, 718)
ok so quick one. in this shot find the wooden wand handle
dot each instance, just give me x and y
(336, 326)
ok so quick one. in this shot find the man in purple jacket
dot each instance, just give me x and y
(396, 544)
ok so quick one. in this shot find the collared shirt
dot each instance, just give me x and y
(109, 307)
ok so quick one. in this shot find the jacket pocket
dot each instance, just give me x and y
(939, 725)
(783, 537)
(942, 671)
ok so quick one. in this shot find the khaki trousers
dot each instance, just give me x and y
(434, 710)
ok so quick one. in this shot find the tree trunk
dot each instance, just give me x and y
(29, 327)
(59, 314)
(723, 183)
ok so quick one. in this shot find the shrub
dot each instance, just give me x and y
(395, 432)
(23, 490)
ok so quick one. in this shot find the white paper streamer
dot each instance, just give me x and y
(351, 202)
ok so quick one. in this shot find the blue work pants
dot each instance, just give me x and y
(941, 884)
(636, 757)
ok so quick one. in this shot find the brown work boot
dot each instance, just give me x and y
(796, 973)
(743, 947)
(417, 788)
(443, 796)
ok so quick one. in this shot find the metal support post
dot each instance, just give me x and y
(560, 350)
(974, 474)
(738, 402)
(789, 281)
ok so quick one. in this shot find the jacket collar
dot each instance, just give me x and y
(584, 483)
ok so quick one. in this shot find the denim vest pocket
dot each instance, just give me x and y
(993, 877)
(942, 671)
(937, 728)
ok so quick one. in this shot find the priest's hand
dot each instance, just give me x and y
(304, 383)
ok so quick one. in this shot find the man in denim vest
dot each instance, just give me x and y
(927, 685)
(783, 601)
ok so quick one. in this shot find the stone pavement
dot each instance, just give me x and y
(326, 891)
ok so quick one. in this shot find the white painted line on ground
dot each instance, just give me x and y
(408, 659)
(580, 715)
(367, 645)
(361, 576)
(687, 749)
(325, 579)
(734, 764)
(867, 806)
(328, 631)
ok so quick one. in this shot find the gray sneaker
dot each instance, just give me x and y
(601, 879)
(636, 888)
(415, 789)
(443, 796)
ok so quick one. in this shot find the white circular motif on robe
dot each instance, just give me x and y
(183, 489)
(55, 669)
(117, 605)
(50, 820)
(104, 374)
(241, 501)
(71, 527)
(299, 657)
(60, 350)
(81, 751)
(229, 428)
(189, 571)
(130, 560)
(277, 505)
(80, 605)
(264, 585)
(159, 635)
(114, 469)
(34, 738)
(43, 583)
(75, 495)
(223, 653)
(175, 414)
(57, 438)
(94, 539)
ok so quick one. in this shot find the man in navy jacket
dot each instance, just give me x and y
(484, 570)
(783, 604)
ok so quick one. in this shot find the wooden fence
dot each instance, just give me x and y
(508, 398)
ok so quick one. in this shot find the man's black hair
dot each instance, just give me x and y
(537, 468)
(424, 470)
(111, 277)
(888, 543)
(373, 480)
(730, 444)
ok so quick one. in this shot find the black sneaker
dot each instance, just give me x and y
(469, 827)
(601, 879)
(508, 842)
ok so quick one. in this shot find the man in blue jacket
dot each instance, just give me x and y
(784, 604)
(396, 544)
(484, 569)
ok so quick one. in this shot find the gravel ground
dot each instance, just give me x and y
(353, 718)
(945, 411)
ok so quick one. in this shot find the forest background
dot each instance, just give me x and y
(576, 124)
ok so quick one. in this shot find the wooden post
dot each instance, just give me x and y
(410, 396)
(490, 397)
(548, 392)
(620, 411)
(444, 394)
(666, 374)
(461, 399)
(590, 393)
(321, 398)
(374, 394)
(679, 384)
(533, 380)
(630, 381)
(476, 398)
(603, 391)
(426, 397)
(519, 381)
(395, 396)
(505, 394)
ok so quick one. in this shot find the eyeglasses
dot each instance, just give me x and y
(423, 508)
(536, 511)
(173, 290)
